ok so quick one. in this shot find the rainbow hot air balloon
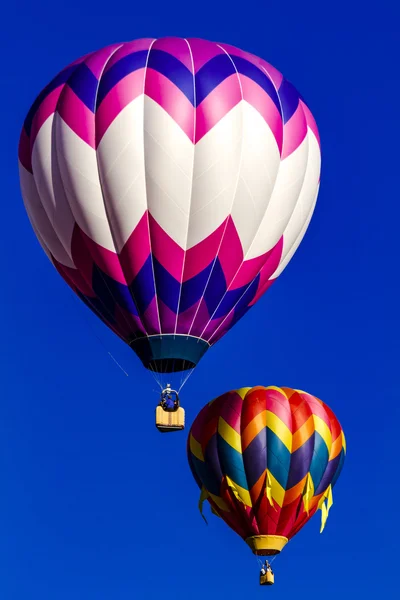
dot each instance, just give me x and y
(170, 182)
(266, 459)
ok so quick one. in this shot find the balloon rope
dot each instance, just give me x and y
(117, 363)
(186, 378)
(93, 332)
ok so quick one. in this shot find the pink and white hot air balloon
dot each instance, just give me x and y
(170, 182)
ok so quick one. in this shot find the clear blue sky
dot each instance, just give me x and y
(94, 503)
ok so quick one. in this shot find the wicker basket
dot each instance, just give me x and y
(267, 579)
(167, 421)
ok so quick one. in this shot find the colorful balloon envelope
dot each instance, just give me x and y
(266, 459)
(170, 182)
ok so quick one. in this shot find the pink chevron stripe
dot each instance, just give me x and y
(248, 271)
(311, 121)
(24, 151)
(231, 411)
(170, 98)
(272, 263)
(122, 94)
(128, 48)
(77, 116)
(214, 325)
(185, 319)
(150, 318)
(106, 260)
(80, 255)
(167, 317)
(130, 324)
(46, 108)
(270, 266)
(261, 101)
(294, 132)
(203, 51)
(97, 61)
(261, 291)
(136, 250)
(275, 76)
(74, 278)
(198, 257)
(272, 73)
(316, 407)
(230, 253)
(177, 47)
(165, 250)
(221, 327)
(217, 104)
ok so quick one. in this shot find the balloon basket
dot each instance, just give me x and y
(168, 421)
(267, 579)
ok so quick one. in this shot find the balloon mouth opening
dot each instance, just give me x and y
(169, 353)
(266, 545)
(170, 365)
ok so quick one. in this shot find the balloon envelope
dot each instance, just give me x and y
(266, 459)
(169, 181)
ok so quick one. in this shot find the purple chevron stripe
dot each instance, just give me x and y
(150, 318)
(160, 89)
(275, 76)
(84, 84)
(176, 47)
(167, 317)
(203, 51)
(263, 103)
(273, 73)
(217, 104)
(244, 67)
(97, 60)
(136, 251)
(77, 116)
(208, 332)
(185, 318)
(57, 82)
(211, 75)
(328, 475)
(300, 462)
(174, 70)
(120, 69)
(295, 130)
(123, 93)
(127, 49)
(255, 457)
(46, 108)
(289, 97)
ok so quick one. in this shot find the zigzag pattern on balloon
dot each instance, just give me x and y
(147, 254)
(126, 299)
(266, 458)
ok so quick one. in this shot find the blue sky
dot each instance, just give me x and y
(94, 503)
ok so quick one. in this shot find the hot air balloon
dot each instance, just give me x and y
(266, 459)
(170, 182)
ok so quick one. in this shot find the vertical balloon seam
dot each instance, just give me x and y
(261, 268)
(83, 237)
(191, 189)
(110, 224)
(227, 218)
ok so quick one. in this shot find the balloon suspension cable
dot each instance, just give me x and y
(185, 379)
(93, 332)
